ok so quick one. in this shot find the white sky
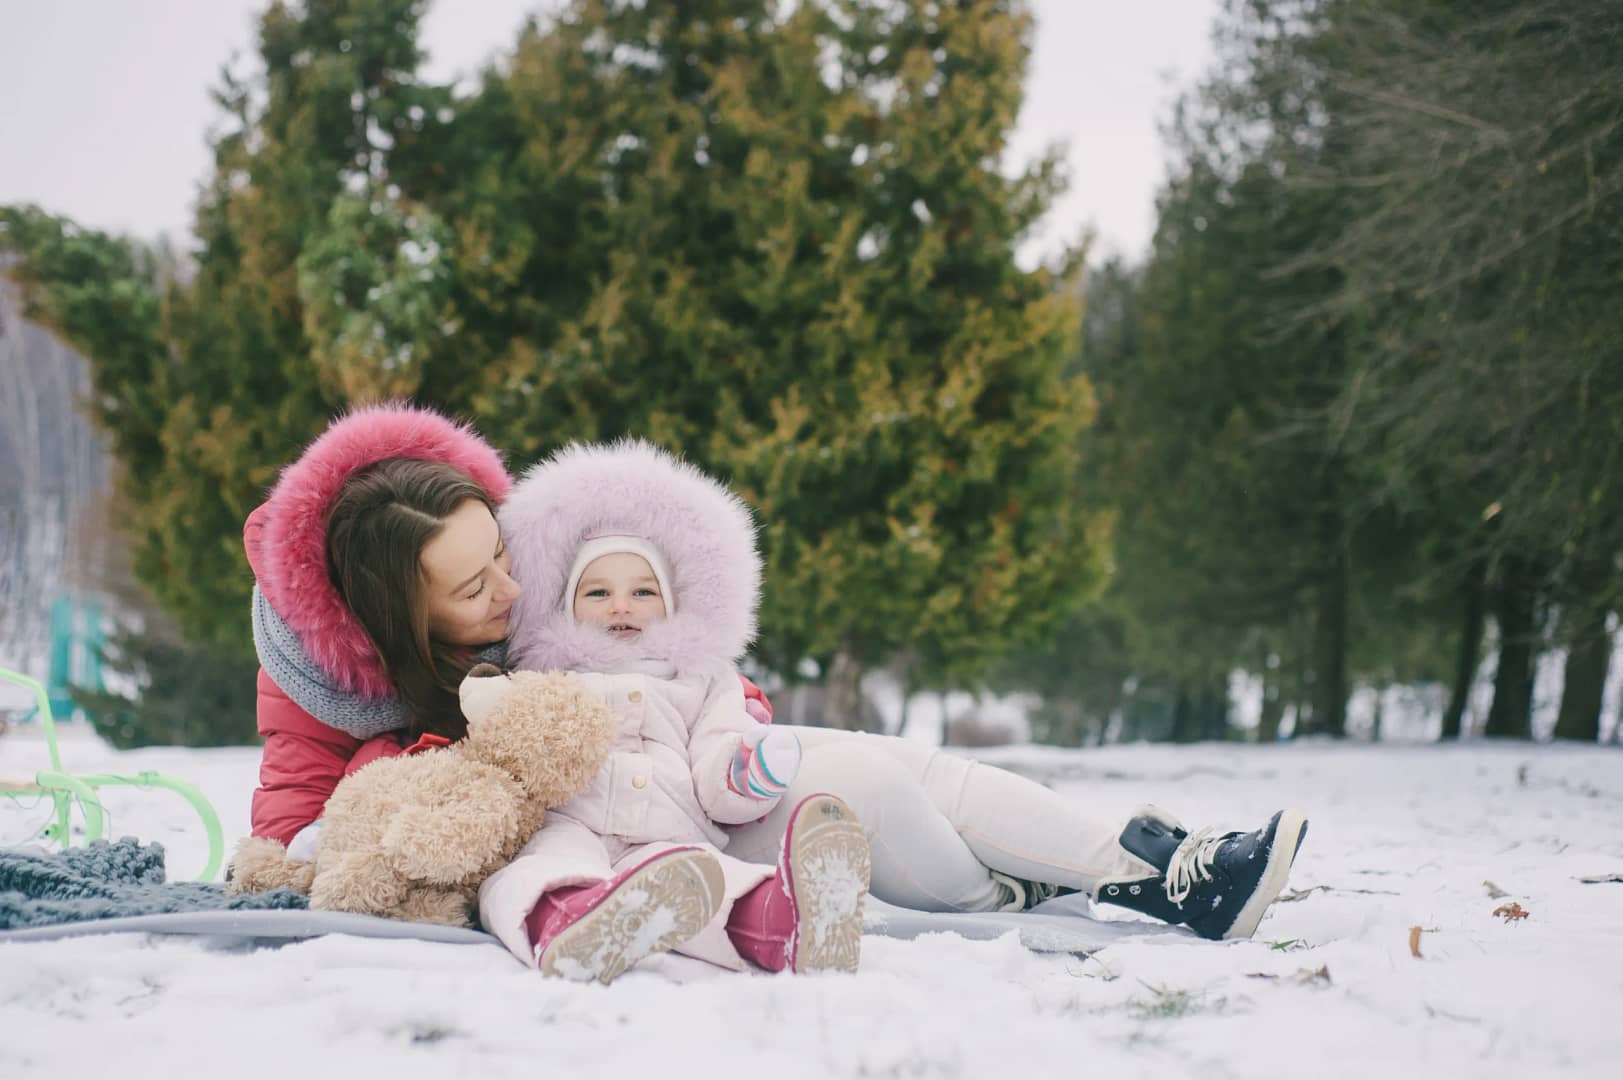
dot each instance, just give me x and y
(104, 104)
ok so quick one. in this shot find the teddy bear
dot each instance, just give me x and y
(412, 836)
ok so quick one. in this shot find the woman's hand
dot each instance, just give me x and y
(302, 848)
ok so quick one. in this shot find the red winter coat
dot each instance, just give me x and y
(303, 761)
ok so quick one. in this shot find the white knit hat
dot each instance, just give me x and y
(596, 547)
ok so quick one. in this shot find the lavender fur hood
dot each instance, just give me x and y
(631, 487)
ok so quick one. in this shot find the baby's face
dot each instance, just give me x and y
(619, 593)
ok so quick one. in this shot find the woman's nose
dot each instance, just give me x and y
(507, 587)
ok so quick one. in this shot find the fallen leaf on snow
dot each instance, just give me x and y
(1414, 943)
(1510, 912)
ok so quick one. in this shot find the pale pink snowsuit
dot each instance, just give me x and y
(675, 689)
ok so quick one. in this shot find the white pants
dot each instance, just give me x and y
(939, 824)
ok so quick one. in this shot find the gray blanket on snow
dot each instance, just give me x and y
(109, 880)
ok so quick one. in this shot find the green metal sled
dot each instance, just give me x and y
(65, 789)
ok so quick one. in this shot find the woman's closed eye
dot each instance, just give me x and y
(501, 553)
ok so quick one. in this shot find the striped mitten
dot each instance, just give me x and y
(765, 763)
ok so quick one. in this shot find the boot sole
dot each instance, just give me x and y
(826, 857)
(662, 904)
(1288, 839)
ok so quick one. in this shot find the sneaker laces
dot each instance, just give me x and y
(1191, 863)
(1016, 887)
(1027, 894)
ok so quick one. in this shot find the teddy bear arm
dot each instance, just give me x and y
(451, 840)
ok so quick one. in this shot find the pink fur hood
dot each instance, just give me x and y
(703, 530)
(286, 538)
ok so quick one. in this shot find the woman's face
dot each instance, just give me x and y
(466, 587)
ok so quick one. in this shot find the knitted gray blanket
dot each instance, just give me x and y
(109, 880)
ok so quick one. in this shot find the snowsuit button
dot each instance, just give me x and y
(639, 782)
(634, 697)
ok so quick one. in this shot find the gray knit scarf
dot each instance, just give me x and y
(290, 667)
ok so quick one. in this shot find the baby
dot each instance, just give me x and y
(641, 577)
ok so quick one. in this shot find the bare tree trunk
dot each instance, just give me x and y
(1302, 699)
(1273, 702)
(1589, 654)
(904, 671)
(1214, 712)
(1185, 717)
(1512, 711)
(1097, 730)
(842, 701)
(1469, 653)
(1072, 729)
(1273, 711)
(1330, 649)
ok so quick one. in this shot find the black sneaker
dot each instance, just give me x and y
(1218, 886)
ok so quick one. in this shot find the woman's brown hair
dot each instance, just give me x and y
(380, 521)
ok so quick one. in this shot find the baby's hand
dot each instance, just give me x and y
(765, 764)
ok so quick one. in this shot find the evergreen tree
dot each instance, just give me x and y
(778, 242)
(1491, 387)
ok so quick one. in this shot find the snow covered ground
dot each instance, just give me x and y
(1401, 836)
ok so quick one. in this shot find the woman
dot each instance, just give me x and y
(381, 579)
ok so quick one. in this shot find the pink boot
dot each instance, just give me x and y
(809, 916)
(585, 932)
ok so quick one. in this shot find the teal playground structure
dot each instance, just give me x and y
(76, 644)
